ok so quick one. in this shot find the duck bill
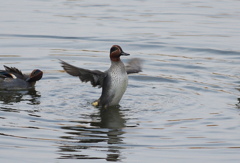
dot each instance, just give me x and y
(125, 54)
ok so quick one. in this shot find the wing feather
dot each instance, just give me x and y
(16, 72)
(94, 76)
(134, 66)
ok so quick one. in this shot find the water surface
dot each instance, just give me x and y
(181, 108)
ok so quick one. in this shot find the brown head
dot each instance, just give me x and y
(116, 52)
(35, 76)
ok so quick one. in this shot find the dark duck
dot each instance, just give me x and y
(113, 81)
(13, 79)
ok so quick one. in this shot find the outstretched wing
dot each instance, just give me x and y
(94, 76)
(134, 66)
(16, 72)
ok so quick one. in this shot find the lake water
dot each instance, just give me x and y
(181, 108)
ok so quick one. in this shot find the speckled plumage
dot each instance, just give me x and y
(115, 84)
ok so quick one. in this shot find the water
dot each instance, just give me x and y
(181, 108)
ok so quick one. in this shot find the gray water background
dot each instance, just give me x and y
(181, 108)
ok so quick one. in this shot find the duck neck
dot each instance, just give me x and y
(117, 66)
(115, 59)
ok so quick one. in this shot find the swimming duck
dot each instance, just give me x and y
(13, 79)
(113, 81)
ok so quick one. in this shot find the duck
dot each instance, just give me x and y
(13, 79)
(113, 81)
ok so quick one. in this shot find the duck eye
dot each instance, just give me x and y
(36, 72)
(113, 49)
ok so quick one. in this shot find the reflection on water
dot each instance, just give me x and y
(105, 127)
(238, 105)
(111, 118)
(10, 97)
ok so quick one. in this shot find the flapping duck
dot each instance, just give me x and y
(113, 81)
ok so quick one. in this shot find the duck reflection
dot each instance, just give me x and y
(111, 118)
(9, 97)
(104, 134)
(238, 105)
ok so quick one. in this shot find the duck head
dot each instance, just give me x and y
(35, 76)
(116, 52)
